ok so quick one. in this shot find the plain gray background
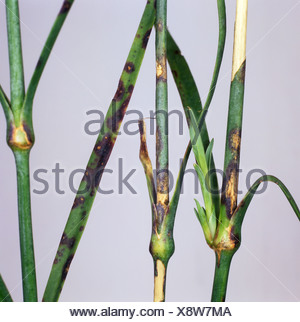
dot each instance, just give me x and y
(112, 262)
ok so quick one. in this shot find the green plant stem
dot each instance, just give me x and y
(20, 134)
(25, 226)
(105, 142)
(231, 236)
(160, 246)
(17, 87)
(55, 30)
(227, 238)
(235, 116)
(162, 148)
(4, 293)
(221, 276)
(233, 143)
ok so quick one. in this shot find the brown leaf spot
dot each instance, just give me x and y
(69, 242)
(120, 92)
(66, 267)
(235, 143)
(77, 202)
(235, 237)
(129, 67)
(83, 215)
(229, 191)
(146, 38)
(115, 120)
(130, 89)
(65, 7)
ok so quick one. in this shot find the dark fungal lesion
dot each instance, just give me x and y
(39, 63)
(115, 120)
(235, 142)
(66, 267)
(69, 242)
(155, 269)
(230, 181)
(146, 38)
(160, 215)
(129, 67)
(130, 89)
(229, 189)
(161, 70)
(102, 147)
(240, 75)
(60, 252)
(141, 127)
(83, 215)
(159, 26)
(102, 150)
(65, 7)
(161, 79)
(10, 130)
(78, 201)
(59, 255)
(174, 72)
(162, 182)
(235, 237)
(29, 133)
(120, 92)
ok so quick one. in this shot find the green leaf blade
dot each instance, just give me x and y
(105, 142)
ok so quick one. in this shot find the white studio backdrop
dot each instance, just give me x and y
(112, 262)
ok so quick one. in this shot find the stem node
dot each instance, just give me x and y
(20, 137)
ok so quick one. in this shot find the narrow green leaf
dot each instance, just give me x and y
(100, 155)
(183, 78)
(196, 140)
(208, 154)
(220, 51)
(209, 206)
(42, 61)
(4, 293)
(240, 211)
(6, 106)
(190, 98)
(201, 175)
(201, 215)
